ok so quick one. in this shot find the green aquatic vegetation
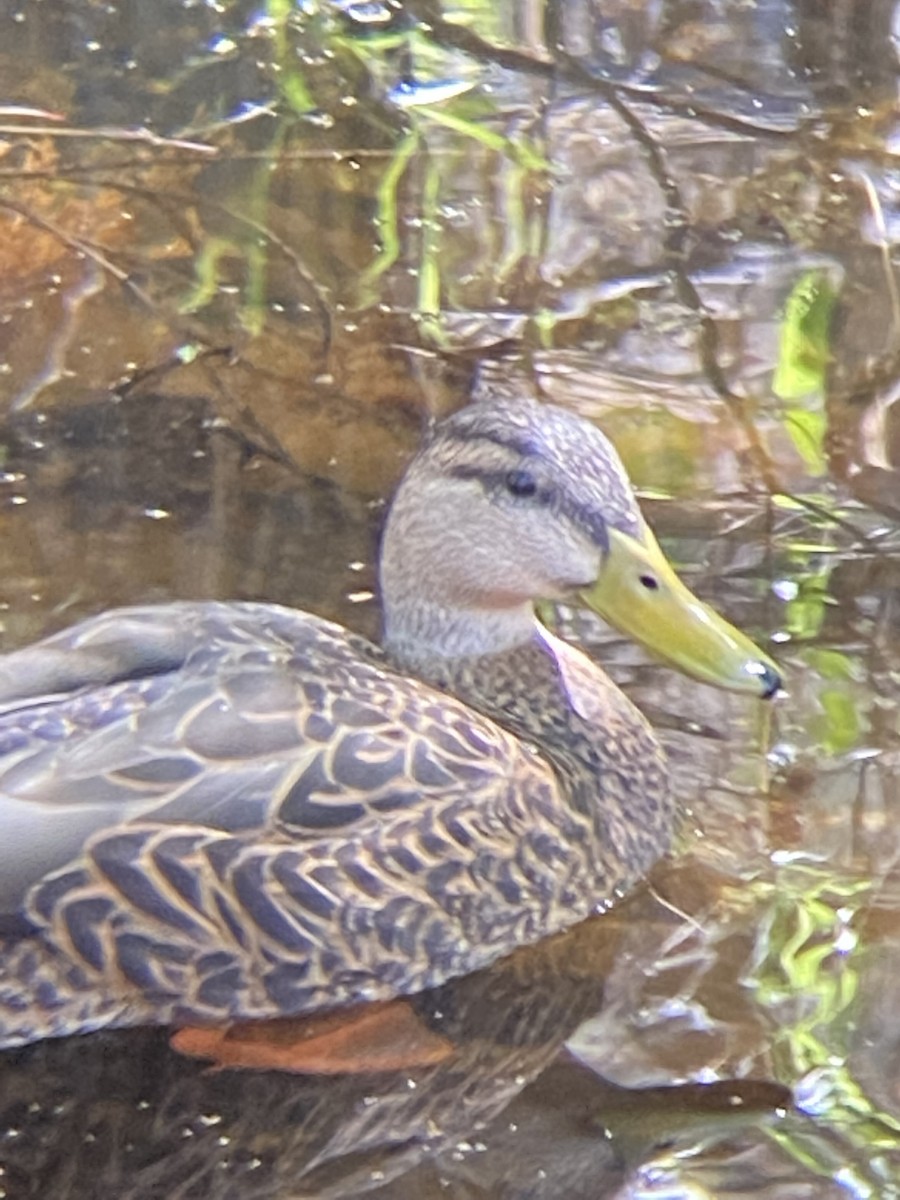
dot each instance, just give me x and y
(434, 102)
(804, 615)
(804, 975)
(487, 18)
(838, 721)
(520, 159)
(291, 83)
(428, 304)
(830, 664)
(208, 279)
(441, 121)
(544, 322)
(515, 239)
(841, 727)
(387, 218)
(804, 353)
(521, 150)
(804, 350)
(836, 714)
(807, 431)
(251, 244)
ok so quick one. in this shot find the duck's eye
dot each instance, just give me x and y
(650, 582)
(521, 483)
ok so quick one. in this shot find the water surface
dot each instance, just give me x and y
(248, 252)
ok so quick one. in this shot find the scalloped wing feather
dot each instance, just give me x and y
(246, 812)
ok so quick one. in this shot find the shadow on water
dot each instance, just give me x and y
(248, 251)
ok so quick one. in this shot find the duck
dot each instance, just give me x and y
(220, 813)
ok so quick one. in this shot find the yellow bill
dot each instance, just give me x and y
(640, 594)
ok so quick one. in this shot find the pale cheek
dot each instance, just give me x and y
(566, 563)
(515, 559)
(571, 572)
(526, 564)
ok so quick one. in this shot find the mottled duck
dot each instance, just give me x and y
(215, 813)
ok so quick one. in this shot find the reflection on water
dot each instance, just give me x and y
(248, 250)
(127, 1115)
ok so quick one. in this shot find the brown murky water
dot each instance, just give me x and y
(247, 251)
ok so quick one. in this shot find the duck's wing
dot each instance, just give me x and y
(242, 810)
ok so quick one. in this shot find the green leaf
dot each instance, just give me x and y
(807, 432)
(843, 727)
(805, 344)
(831, 664)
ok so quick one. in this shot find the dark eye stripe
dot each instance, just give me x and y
(494, 481)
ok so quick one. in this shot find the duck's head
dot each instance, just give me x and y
(512, 502)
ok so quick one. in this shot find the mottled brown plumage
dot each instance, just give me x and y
(215, 812)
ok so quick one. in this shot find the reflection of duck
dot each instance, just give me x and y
(116, 1115)
(215, 812)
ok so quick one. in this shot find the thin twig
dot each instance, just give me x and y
(111, 134)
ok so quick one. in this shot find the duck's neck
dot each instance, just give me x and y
(609, 763)
(419, 630)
